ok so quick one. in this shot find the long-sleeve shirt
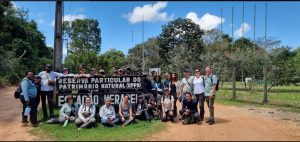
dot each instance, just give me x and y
(66, 110)
(106, 113)
(85, 109)
(28, 89)
(192, 105)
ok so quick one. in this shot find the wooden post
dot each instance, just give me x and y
(233, 83)
(265, 100)
(58, 37)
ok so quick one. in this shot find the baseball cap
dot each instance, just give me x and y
(166, 89)
(186, 70)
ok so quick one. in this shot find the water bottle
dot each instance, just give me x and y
(27, 111)
(66, 123)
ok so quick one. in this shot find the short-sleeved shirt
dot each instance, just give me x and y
(210, 81)
(125, 109)
(198, 85)
(187, 84)
(167, 102)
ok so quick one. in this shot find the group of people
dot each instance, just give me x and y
(159, 100)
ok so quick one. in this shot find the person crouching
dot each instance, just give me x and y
(189, 110)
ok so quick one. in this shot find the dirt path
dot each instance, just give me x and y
(235, 124)
(232, 123)
(10, 118)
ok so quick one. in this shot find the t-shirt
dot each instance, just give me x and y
(187, 87)
(210, 81)
(198, 85)
(167, 102)
(125, 109)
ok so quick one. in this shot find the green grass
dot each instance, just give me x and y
(286, 98)
(135, 131)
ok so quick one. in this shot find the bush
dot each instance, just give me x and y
(13, 79)
(3, 82)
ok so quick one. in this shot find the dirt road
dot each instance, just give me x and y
(10, 118)
(235, 124)
(232, 123)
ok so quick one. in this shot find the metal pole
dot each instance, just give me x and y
(143, 47)
(254, 27)
(58, 36)
(222, 20)
(265, 100)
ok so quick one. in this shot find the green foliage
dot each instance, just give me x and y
(112, 59)
(178, 33)
(84, 35)
(151, 54)
(21, 44)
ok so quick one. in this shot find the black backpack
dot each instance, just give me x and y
(18, 91)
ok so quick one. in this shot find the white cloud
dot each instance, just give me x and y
(239, 32)
(14, 5)
(151, 13)
(70, 17)
(207, 21)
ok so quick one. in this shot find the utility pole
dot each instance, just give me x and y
(58, 36)
(265, 100)
(143, 46)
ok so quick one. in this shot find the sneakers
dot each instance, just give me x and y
(35, 125)
(211, 123)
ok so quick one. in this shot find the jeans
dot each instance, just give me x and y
(210, 104)
(33, 111)
(127, 120)
(49, 95)
(201, 100)
(108, 123)
(144, 115)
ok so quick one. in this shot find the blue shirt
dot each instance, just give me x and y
(192, 105)
(210, 81)
(106, 113)
(28, 89)
(167, 83)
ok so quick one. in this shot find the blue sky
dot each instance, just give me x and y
(118, 19)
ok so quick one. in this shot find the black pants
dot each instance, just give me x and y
(49, 95)
(33, 112)
(38, 99)
(201, 100)
(144, 115)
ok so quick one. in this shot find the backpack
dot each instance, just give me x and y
(217, 85)
(18, 91)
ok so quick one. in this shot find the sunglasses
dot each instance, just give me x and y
(197, 71)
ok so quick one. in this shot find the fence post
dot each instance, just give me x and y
(233, 83)
(265, 100)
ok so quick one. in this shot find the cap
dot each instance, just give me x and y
(65, 69)
(102, 70)
(139, 69)
(186, 70)
(115, 71)
(120, 70)
(166, 89)
(92, 69)
(37, 76)
(154, 89)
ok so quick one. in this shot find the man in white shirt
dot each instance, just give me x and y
(48, 78)
(186, 84)
(108, 114)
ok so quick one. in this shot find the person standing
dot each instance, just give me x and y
(186, 84)
(210, 92)
(167, 79)
(158, 85)
(174, 89)
(37, 82)
(28, 99)
(48, 78)
(199, 91)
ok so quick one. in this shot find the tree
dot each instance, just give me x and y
(180, 32)
(85, 43)
(151, 54)
(18, 35)
(113, 60)
(84, 35)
